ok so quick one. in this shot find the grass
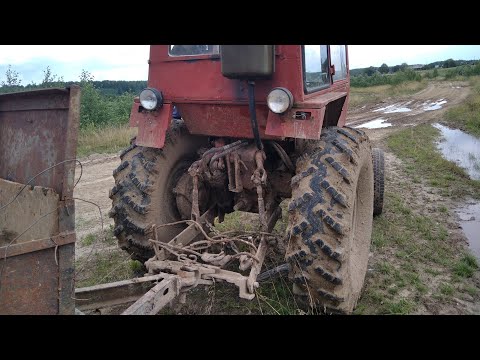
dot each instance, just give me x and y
(443, 209)
(423, 257)
(466, 266)
(239, 221)
(471, 290)
(88, 240)
(466, 116)
(418, 245)
(106, 267)
(360, 96)
(447, 289)
(416, 146)
(109, 139)
(401, 307)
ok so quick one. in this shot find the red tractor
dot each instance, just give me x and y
(259, 124)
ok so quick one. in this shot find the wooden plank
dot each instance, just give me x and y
(37, 245)
(156, 298)
(115, 293)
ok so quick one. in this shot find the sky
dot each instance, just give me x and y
(129, 62)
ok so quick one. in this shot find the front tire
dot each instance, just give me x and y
(330, 222)
(143, 193)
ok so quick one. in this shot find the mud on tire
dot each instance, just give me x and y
(143, 196)
(330, 220)
(379, 180)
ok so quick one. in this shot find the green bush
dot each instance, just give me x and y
(98, 110)
(385, 79)
(464, 70)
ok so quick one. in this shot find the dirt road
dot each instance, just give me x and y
(96, 182)
(379, 119)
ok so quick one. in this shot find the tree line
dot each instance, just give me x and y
(383, 75)
(385, 69)
(12, 82)
(103, 103)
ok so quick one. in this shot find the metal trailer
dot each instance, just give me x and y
(38, 131)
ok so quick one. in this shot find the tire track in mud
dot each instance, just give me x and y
(96, 182)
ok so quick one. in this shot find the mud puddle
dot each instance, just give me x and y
(375, 124)
(437, 105)
(395, 108)
(469, 216)
(464, 149)
(461, 148)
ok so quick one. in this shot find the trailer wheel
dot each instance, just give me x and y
(143, 194)
(330, 220)
(379, 180)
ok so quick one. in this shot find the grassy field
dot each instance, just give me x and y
(417, 264)
(416, 146)
(467, 115)
(110, 139)
(414, 260)
(361, 95)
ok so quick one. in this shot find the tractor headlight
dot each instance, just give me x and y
(280, 100)
(151, 99)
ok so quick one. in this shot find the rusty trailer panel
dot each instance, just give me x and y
(38, 130)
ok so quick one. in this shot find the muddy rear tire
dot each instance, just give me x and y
(330, 220)
(379, 180)
(143, 192)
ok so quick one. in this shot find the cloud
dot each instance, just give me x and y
(125, 54)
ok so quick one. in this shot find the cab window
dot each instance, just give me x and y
(316, 73)
(192, 50)
(338, 59)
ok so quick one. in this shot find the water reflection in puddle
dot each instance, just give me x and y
(470, 223)
(434, 106)
(464, 150)
(461, 148)
(395, 108)
(375, 124)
